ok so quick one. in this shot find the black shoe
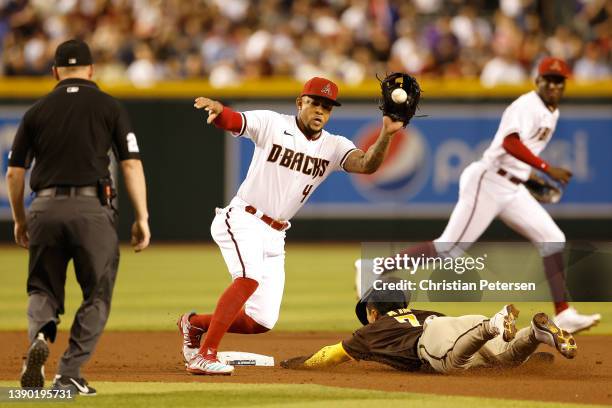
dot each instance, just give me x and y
(78, 385)
(33, 373)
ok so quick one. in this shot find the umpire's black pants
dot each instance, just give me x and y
(79, 228)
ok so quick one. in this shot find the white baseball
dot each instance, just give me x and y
(399, 95)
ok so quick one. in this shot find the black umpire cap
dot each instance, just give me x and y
(382, 295)
(72, 53)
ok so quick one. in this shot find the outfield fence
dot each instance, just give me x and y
(192, 168)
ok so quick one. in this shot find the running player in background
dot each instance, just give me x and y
(493, 187)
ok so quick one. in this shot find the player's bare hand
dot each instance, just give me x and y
(22, 238)
(559, 174)
(390, 126)
(141, 235)
(213, 108)
(294, 363)
(535, 177)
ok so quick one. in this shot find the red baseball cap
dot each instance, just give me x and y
(553, 66)
(321, 87)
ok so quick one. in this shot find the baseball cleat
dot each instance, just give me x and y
(191, 336)
(208, 365)
(76, 385)
(573, 322)
(33, 372)
(546, 331)
(504, 322)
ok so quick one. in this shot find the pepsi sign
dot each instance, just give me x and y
(404, 171)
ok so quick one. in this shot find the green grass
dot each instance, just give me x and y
(247, 395)
(155, 286)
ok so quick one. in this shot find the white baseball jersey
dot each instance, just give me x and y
(533, 121)
(286, 167)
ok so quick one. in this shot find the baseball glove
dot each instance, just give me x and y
(400, 111)
(544, 191)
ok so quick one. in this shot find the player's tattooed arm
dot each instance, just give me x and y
(368, 162)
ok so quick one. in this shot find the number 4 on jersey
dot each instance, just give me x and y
(306, 191)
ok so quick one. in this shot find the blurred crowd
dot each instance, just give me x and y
(228, 41)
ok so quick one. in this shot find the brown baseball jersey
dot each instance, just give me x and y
(390, 340)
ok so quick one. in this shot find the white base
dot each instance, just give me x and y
(241, 358)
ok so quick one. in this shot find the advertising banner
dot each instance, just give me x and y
(9, 122)
(420, 176)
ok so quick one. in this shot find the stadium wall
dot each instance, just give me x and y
(192, 168)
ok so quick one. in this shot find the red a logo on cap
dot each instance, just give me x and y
(556, 66)
(326, 89)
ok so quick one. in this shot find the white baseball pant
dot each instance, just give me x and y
(254, 250)
(483, 195)
(454, 344)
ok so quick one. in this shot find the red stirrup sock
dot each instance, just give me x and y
(426, 249)
(201, 321)
(553, 267)
(560, 306)
(245, 324)
(228, 307)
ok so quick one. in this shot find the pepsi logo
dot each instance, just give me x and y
(404, 171)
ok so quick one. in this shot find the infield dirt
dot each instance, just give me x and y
(155, 356)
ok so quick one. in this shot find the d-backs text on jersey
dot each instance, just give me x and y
(298, 161)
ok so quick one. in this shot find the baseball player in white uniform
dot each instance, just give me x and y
(493, 187)
(293, 155)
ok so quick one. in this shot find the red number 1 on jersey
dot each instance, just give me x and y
(306, 191)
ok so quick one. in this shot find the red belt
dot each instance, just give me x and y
(277, 225)
(510, 177)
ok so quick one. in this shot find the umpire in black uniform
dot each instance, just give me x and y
(69, 135)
